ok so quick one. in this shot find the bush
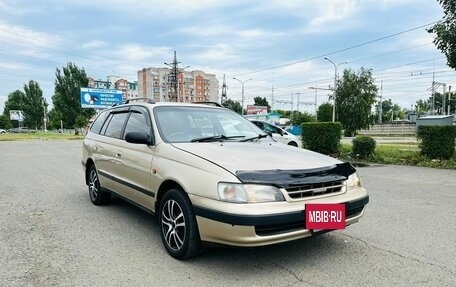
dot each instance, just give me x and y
(437, 142)
(322, 137)
(363, 147)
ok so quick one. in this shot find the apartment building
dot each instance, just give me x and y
(192, 86)
(129, 89)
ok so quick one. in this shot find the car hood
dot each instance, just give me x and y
(248, 156)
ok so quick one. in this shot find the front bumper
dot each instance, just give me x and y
(264, 229)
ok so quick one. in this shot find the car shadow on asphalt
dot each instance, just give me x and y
(311, 250)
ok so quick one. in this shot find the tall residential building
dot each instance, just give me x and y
(129, 89)
(192, 86)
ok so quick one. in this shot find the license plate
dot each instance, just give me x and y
(321, 217)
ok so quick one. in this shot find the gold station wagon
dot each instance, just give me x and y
(211, 176)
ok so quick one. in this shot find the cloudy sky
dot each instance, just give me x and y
(280, 44)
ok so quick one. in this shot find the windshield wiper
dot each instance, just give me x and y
(260, 136)
(215, 138)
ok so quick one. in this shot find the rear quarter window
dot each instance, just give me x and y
(98, 123)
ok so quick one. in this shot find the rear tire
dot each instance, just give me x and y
(96, 193)
(178, 226)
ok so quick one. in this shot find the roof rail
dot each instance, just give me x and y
(209, 103)
(148, 100)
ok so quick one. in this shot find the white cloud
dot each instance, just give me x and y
(334, 11)
(12, 66)
(137, 53)
(149, 7)
(94, 44)
(20, 36)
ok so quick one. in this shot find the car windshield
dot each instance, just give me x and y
(201, 124)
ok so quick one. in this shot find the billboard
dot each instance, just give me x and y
(100, 98)
(16, 115)
(254, 110)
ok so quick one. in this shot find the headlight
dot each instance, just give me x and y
(353, 181)
(249, 193)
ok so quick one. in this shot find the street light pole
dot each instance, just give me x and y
(335, 85)
(242, 86)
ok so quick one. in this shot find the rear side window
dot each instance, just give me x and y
(98, 123)
(115, 125)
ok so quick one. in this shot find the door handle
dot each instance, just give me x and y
(118, 154)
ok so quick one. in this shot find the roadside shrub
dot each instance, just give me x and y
(363, 146)
(437, 142)
(322, 137)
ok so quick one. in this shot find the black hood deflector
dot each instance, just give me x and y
(289, 178)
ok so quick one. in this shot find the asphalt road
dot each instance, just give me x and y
(51, 235)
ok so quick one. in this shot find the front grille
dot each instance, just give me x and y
(314, 189)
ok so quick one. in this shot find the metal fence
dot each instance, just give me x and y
(395, 129)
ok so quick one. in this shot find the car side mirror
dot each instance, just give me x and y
(138, 138)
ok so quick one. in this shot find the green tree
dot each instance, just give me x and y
(445, 32)
(355, 96)
(285, 114)
(15, 101)
(438, 102)
(67, 99)
(5, 122)
(390, 111)
(324, 113)
(422, 107)
(33, 105)
(259, 101)
(232, 105)
(298, 118)
(55, 119)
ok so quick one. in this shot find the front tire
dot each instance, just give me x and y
(97, 195)
(178, 226)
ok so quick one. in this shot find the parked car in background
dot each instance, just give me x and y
(21, 130)
(278, 134)
(210, 175)
(2, 131)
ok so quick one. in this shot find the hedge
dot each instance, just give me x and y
(437, 142)
(322, 137)
(363, 147)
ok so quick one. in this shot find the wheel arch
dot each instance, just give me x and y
(164, 187)
(293, 143)
(89, 164)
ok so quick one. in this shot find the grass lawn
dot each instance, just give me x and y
(404, 154)
(39, 136)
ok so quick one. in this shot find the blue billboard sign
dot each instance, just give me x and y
(100, 98)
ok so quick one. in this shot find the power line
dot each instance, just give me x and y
(339, 51)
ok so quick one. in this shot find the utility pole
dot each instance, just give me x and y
(433, 94)
(449, 100)
(443, 99)
(380, 107)
(172, 80)
(44, 115)
(272, 98)
(316, 89)
(436, 85)
(242, 86)
(224, 96)
(298, 101)
(335, 85)
(292, 102)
